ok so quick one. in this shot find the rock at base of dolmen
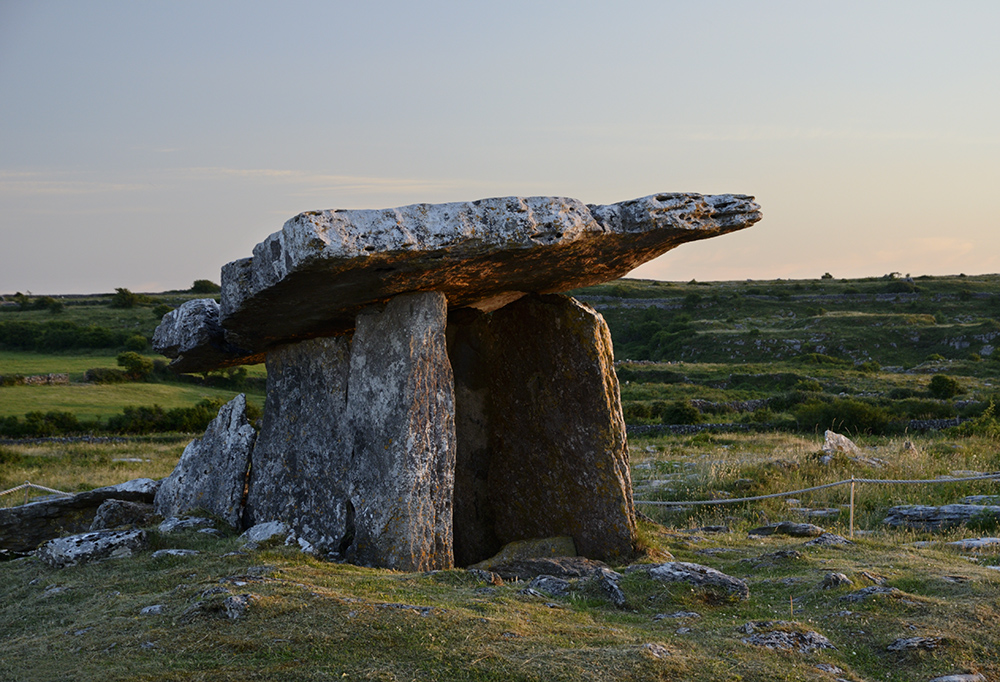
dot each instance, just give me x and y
(212, 472)
(402, 407)
(192, 335)
(86, 547)
(300, 462)
(558, 457)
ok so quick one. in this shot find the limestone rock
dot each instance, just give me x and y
(804, 642)
(24, 528)
(873, 591)
(911, 643)
(301, 459)
(401, 412)
(534, 548)
(926, 517)
(118, 513)
(193, 336)
(695, 574)
(835, 442)
(960, 677)
(796, 530)
(832, 580)
(545, 431)
(103, 544)
(212, 472)
(482, 253)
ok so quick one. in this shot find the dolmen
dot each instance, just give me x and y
(431, 393)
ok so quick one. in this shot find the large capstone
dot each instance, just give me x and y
(542, 449)
(212, 472)
(192, 335)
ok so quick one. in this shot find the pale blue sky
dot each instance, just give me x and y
(144, 144)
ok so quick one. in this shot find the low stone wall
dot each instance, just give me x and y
(34, 380)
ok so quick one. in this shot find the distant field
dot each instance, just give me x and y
(90, 401)
(76, 363)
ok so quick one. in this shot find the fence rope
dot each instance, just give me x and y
(28, 485)
(849, 481)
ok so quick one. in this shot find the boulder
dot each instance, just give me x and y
(24, 528)
(795, 530)
(120, 513)
(102, 544)
(541, 437)
(835, 442)
(481, 253)
(212, 472)
(193, 336)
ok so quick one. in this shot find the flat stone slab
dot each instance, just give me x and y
(314, 276)
(925, 517)
(86, 547)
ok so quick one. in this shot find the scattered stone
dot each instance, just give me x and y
(829, 540)
(770, 635)
(487, 576)
(799, 530)
(974, 543)
(924, 517)
(122, 514)
(832, 580)
(873, 577)
(175, 524)
(174, 552)
(531, 592)
(910, 643)
(829, 668)
(960, 677)
(265, 532)
(981, 499)
(874, 591)
(212, 472)
(94, 546)
(678, 614)
(655, 650)
(773, 557)
(154, 610)
(714, 529)
(608, 581)
(236, 606)
(555, 587)
(696, 575)
(682, 631)
(835, 442)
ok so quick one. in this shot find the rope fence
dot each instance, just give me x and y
(28, 486)
(850, 481)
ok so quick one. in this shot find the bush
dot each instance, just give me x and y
(136, 342)
(105, 375)
(985, 425)
(161, 310)
(944, 387)
(680, 412)
(869, 367)
(124, 298)
(842, 415)
(40, 425)
(205, 286)
(136, 366)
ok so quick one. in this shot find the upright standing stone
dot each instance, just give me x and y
(402, 407)
(558, 458)
(299, 472)
(212, 472)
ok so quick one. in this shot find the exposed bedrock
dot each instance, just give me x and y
(541, 438)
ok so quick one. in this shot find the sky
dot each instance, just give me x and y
(145, 144)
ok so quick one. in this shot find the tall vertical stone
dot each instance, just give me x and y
(401, 404)
(301, 462)
(212, 472)
(558, 457)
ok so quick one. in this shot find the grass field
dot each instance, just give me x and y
(311, 620)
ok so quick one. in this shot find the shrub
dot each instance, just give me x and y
(820, 359)
(161, 310)
(205, 286)
(985, 425)
(944, 387)
(680, 412)
(105, 375)
(842, 415)
(136, 366)
(635, 412)
(934, 357)
(869, 367)
(136, 342)
(124, 298)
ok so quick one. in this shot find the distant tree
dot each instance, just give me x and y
(136, 366)
(124, 298)
(826, 275)
(205, 286)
